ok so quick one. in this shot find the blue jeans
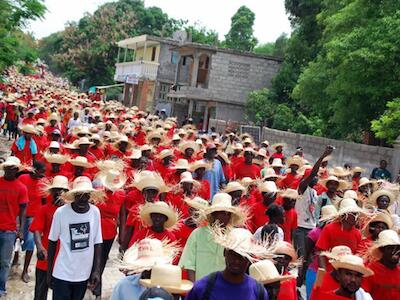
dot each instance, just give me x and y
(311, 276)
(7, 240)
(29, 242)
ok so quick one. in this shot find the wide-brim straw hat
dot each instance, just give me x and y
(199, 164)
(224, 157)
(336, 252)
(59, 159)
(241, 241)
(136, 154)
(154, 135)
(188, 145)
(113, 180)
(158, 207)
(349, 206)
(110, 164)
(84, 141)
(339, 172)
(276, 145)
(358, 170)
(144, 180)
(28, 128)
(197, 203)
(168, 277)
(291, 194)
(83, 184)
(58, 182)
(283, 247)
(385, 238)
(233, 186)
(146, 253)
(270, 173)
(187, 177)
(342, 184)
(264, 271)
(328, 213)
(382, 192)
(181, 164)
(12, 161)
(268, 187)
(262, 152)
(223, 202)
(123, 139)
(364, 181)
(381, 216)
(353, 263)
(295, 160)
(81, 161)
(277, 163)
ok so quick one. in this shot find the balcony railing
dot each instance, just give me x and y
(140, 69)
(184, 91)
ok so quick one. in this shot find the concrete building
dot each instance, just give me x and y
(190, 79)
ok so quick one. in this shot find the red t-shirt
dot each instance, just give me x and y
(34, 188)
(290, 224)
(384, 284)
(328, 284)
(109, 211)
(244, 170)
(204, 190)
(42, 223)
(13, 193)
(142, 233)
(259, 217)
(98, 153)
(288, 289)
(289, 180)
(228, 172)
(24, 155)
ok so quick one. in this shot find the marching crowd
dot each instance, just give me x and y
(195, 215)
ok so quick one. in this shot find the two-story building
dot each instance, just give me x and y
(191, 79)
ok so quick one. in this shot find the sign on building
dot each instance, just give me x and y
(131, 79)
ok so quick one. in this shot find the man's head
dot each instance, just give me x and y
(199, 172)
(374, 228)
(248, 156)
(276, 214)
(39, 168)
(288, 203)
(383, 202)
(349, 280)
(221, 217)
(81, 199)
(332, 186)
(76, 115)
(10, 172)
(55, 196)
(149, 194)
(349, 220)
(158, 220)
(390, 255)
(53, 122)
(189, 152)
(211, 151)
(235, 263)
(383, 164)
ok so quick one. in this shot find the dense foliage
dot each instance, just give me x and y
(388, 125)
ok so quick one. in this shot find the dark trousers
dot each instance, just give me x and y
(299, 239)
(65, 290)
(41, 287)
(105, 251)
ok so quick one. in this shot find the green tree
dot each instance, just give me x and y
(240, 36)
(260, 107)
(265, 49)
(200, 34)
(387, 127)
(14, 15)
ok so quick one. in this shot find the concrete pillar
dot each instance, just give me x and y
(178, 70)
(190, 109)
(195, 69)
(144, 51)
(205, 118)
(394, 166)
(125, 101)
(132, 95)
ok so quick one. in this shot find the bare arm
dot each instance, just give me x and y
(127, 238)
(22, 220)
(122, 222)
(50, 259)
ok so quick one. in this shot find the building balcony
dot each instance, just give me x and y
(144, 70)
(191, 92)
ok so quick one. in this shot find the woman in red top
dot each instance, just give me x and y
(34, 186)
(41, 227)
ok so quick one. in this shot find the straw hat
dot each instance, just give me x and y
(270, 173)
(197, 203)
(274, 146)
(283, 247)
(165, 153)
(337, 252)
(154, 135)
(80, 161)
(358, 170)
(110, 164)
(54, 145)
(187, 177)
(146, 253)
(381, 216)
(350, 194)
(113, 180)
(265, 143)
(383, 192)
(347, 206)
(237, 146)
(54, 117)
(242, 242)
(224, 157)
(40, 121)
(262, 152)
(223, 202)
(340, 172)
(136, 154)
(291, 194)
(342, 184)
(277, 163)
(176, 137)
(295, 160)
(28, 128)
(188, 145)
(199, 164)
(145, 147)
(264, 271)
(12, 161)
(82, 184)
(158, 207)
(385, 238)
(364, 181)
(58, 159)
(84, 141)
(58, 182)
(168, 277)
(354, 263)
(148, 179)
(328, 212)
(247, 181)
(233, 186)
(268, 187)
(181, 164)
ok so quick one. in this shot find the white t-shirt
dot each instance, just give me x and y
(78, 233)
(305, 207)
(257, 234)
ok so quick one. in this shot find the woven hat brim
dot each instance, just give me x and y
(279, 278)
(185, 286)
(337, 264)
(166, 211)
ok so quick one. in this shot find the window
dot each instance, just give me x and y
(174, 58)
(153, 53)
(164, 89)
(184, 61)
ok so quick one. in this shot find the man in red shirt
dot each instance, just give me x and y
(41, 227)
(385, 283)
(34, 187)
(25, 147)
(13, 201)
(246, 168)
(289, 197)
(292, 179)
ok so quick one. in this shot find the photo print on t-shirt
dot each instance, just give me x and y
(79, 234)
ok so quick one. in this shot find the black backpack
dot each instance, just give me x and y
(212, 278)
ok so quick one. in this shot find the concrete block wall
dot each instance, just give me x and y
(167, 70)
(361, 155)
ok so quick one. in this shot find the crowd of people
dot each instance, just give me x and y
(194, 215)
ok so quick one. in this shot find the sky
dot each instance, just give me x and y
(271, 19)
